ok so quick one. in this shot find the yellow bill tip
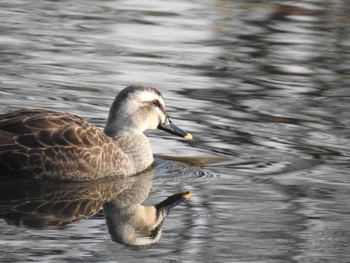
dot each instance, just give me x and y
(186, 195)
(188, 136)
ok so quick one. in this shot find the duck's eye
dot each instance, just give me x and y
(156, 103)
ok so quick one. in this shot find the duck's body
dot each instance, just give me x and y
(62, 146)
(43, 143)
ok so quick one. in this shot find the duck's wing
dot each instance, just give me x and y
(43, 129)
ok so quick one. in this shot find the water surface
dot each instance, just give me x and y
(263, 86)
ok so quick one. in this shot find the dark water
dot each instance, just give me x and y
(263, 86)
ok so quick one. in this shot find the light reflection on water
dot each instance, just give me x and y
(262, 85)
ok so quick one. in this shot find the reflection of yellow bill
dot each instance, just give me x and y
(186, 195)
(188, 136)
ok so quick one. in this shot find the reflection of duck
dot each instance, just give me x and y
(62, 146)
(49, 204)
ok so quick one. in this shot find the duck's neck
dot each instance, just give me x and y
(116, 126)
(130, 140)
(137, 147)
(119, 119)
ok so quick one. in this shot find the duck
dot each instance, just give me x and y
(40, 143)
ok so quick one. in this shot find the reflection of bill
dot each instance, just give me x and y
(54, 204)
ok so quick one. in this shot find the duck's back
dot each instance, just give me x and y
(42, 143)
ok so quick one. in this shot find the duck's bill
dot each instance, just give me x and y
(170, 127)
(172, 201)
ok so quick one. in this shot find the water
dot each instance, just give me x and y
(261, 85)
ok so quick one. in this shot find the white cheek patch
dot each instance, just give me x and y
(147, 96)
(160, 114)
(152, 120)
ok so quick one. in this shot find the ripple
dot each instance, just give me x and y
(184, 172)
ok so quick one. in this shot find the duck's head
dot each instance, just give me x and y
(139, 108)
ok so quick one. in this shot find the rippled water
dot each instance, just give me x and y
(263, 86)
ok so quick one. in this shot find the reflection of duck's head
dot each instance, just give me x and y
(139, 226)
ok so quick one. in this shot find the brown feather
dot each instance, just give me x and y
(53, 144)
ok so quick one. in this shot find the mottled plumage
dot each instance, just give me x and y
(42, 143)
(48, 204)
